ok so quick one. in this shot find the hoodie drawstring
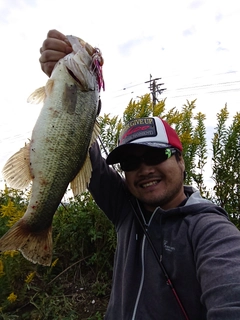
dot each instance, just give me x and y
(159, 260)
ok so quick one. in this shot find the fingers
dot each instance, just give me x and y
(59, 41)
(57, 35)
(47, 67)
(55, 47)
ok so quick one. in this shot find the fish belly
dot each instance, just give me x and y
(58, 149)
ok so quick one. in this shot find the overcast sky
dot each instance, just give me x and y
(192, 45)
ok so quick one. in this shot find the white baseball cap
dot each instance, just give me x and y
(151, 132)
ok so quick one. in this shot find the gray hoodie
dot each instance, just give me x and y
(197, 244)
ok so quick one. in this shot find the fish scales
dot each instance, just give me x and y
(59, 145)
(58, 149)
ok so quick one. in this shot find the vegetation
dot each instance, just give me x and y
(77, 284)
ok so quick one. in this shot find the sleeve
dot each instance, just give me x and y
(216, 247)
(106, 186)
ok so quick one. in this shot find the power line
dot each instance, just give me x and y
(209, 85)
(219, 74)
(196, 87)
(155, 88)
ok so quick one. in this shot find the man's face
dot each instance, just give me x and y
(158, 185)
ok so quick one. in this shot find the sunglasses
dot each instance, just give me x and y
(150, 158)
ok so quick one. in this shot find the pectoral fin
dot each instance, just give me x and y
(40, 94)
(16, 171)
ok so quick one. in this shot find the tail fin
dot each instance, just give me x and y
(34, 246)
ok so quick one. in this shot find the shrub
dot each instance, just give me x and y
(77, 284)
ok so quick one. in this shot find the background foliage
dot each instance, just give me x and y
(77, 284)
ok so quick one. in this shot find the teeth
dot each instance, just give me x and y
(149, 184)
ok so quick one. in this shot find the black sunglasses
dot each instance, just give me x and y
(150, 158)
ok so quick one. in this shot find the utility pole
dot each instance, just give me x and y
(155, 89)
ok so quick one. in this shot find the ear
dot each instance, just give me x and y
(181, 163)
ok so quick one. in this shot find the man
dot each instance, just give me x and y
(178, 255)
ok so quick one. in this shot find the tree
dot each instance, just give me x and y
(226, 164)
(138, 109)
(201, 153)
(110, 130)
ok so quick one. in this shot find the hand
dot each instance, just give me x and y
(55, 47)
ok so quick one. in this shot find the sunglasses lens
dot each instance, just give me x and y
(155, 157)
(130, 164)
(151, 158)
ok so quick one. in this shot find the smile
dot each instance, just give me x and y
(151, 183)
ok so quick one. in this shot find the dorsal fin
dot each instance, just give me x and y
(82, 179)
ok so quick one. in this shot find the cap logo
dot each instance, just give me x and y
(138, 128)
(168, 153)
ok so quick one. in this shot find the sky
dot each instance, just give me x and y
(193, 46)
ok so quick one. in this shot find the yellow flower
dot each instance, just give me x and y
(11, 253)
(6, 190)
(16, 215)
(9, 209)
(12, 297)
(12, 212)
(30, 277)
(1, 268)
(54, 262)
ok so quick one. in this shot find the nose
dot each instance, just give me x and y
(144, 169)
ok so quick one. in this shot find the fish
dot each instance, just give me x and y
(57, 155)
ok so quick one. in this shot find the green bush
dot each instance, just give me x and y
(77, 284)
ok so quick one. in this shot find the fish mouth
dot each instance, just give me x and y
(73, 76)
(84, 65)
(82, 87)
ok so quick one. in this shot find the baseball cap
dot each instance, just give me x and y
(150, 132)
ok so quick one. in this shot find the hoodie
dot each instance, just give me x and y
(199, 249)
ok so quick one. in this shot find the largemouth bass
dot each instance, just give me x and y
(58, 152)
